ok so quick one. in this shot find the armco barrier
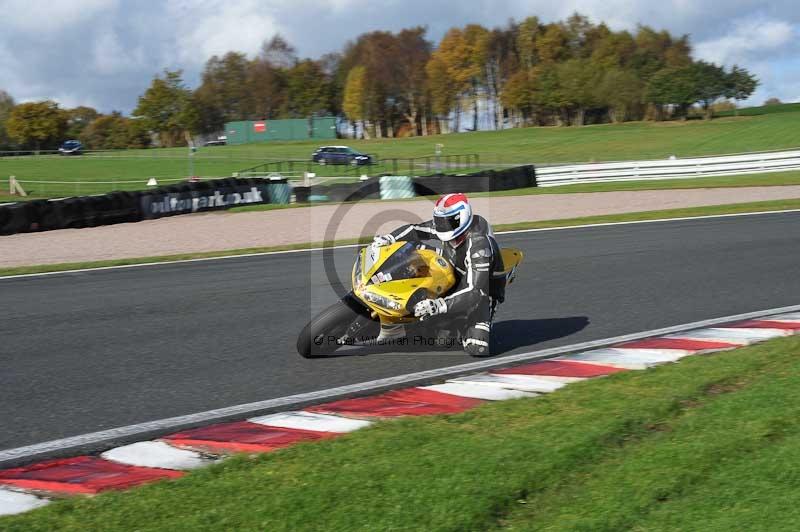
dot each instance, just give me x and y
(119, 207)
(748, 163)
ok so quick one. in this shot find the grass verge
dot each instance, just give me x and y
(704, 444)
(759, 206)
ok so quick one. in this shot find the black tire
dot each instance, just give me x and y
(323, 162)
(331, 322)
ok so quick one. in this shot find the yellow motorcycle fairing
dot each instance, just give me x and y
(385, 278)
(512, 257)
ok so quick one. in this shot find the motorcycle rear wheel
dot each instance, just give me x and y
(315, 340)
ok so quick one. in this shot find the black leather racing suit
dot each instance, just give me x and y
(480, 286)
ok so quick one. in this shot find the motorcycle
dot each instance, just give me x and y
(387, 281)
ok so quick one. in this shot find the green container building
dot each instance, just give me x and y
(247, 131)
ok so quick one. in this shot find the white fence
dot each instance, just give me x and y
(748, 163)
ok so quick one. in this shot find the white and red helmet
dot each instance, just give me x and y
(452, 216)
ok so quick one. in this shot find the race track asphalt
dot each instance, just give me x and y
(81, 352)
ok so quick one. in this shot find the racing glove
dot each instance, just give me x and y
(383, 240)
(430, 307)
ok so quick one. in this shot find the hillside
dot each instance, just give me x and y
(628, 141)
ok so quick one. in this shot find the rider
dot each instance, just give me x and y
(474, 254)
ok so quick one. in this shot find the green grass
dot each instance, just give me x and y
(759, 206)
(629, 141)
(707, 444)
(762, 110)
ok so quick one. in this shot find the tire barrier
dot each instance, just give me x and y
(121, 207)
(301, 194)
(187, 197)
(484, 181)
(396, 187)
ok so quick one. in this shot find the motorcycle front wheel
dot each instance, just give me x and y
(319, 337)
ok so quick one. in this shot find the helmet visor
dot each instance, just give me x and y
(445, 224)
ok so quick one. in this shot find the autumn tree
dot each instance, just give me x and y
(6, 105)
(412, 52)
(108, 132)
(394, 91)
(648, 57)
(443, 91)
(462, 52)
(518, 94)
(673, 88)
(354, 104)
(37, 124)
(115, 132)
(267, 78)
(568, 72)
(621, 92)
(525, 35)
(224, 95)
(580, 35)
(577, 83)
(77, 120)
(614, 50)
(168, 108)
(547, 92)
(741, 84)
(308, 90)
(267, 87)
(278, 53)
(501, 63)
(552, 44)
(710, 84)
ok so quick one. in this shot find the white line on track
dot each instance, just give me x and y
(111, 437)
(307, 250)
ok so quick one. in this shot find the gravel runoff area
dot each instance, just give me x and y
(224, 230)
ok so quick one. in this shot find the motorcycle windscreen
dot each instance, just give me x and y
(405, 263)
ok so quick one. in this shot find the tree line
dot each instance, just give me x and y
(44, 126)
(389, 84)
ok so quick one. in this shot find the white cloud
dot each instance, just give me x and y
(105, 52)
(215, 27)
(45, 16)
(340, 5)
(111, 56)
(748, 38)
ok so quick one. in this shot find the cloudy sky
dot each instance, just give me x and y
(103, 53)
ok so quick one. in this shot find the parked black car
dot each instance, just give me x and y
(71, 147)
(340, 155)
